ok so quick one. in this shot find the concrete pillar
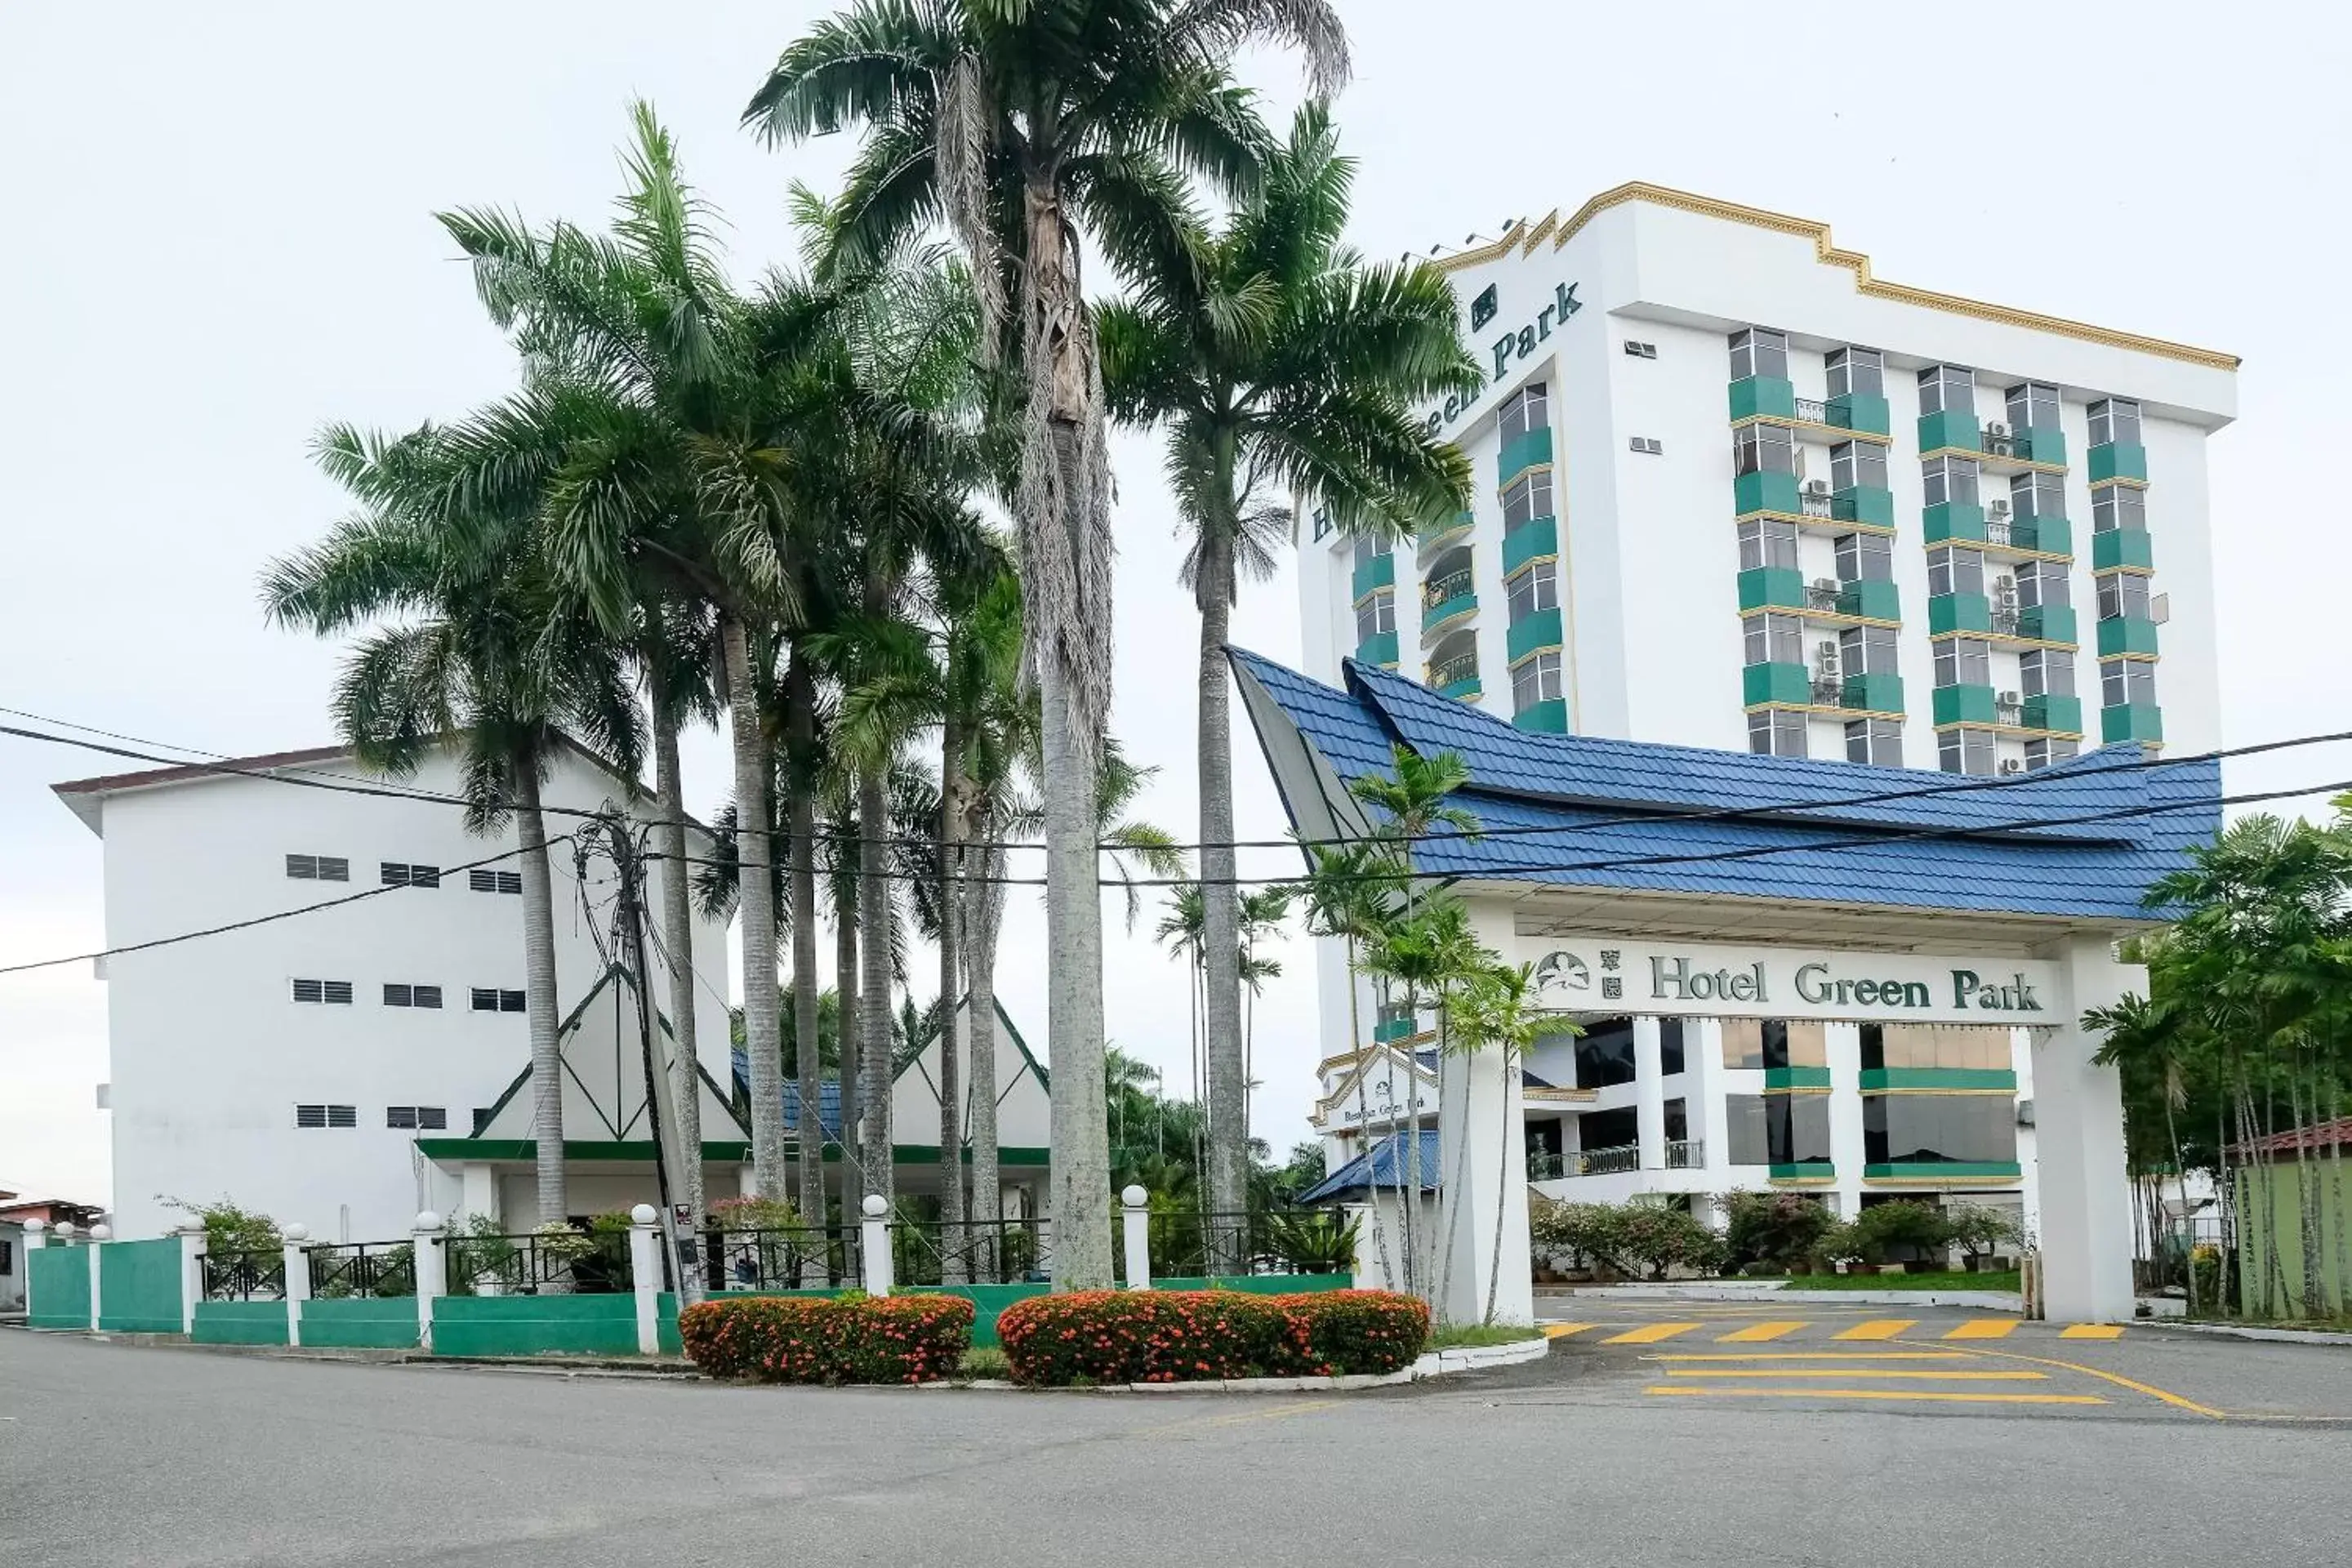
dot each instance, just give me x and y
(192, 1273)
(37, 1237)
(645, 1274)
(298, 1279)
(477, 1190)
(1136, 1221)
(1649, 1096)
(874, 1242)
(1483, 1163)
(1844, 1043)
(2085, 1201)
(432, 1271)
(100, 1234)
(1704, 1091)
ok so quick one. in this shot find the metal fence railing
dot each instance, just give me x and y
(1686, 1154)
(258, 1276)
(378, 1268)
(538, 1263)
(789, 1257)
(1609, 1162)
(973, 1252)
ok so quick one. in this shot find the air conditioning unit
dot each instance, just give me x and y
(1825, 660)
(2012, 765)
(1819, 490)
(2004, 592)
(2159, 608)
(1997, 432)
(2007, 699)
(1997, 509)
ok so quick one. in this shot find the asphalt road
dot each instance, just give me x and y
(119, 1455)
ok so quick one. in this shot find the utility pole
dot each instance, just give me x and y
(680, 1255)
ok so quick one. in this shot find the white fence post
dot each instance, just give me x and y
(1136, 1234)
(432, 1271)
(37, 1237)
(645, 1274)
(100, 1234)
(297, 1280)
(874, 1240)
(192, 1273)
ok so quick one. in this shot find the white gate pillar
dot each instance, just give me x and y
(1136, 1219)
(874, 1242)
(100, 1234)
(645, 1274)
(2086, 1221)
(192, 1273)
(297, 1280)
(1482, 1161)
(432, 1265)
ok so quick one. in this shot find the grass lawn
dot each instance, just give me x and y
(1456, 1336)
(1955, 1279)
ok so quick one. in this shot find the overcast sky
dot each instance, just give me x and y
(223, 239)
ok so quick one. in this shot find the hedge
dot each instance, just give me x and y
(1182, 1336)
(850, 1338)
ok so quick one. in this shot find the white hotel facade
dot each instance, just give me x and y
(1733, 491)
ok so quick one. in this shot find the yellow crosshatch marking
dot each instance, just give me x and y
(1880, 1328)
(1907, 1393)
(1755, 1333)
(1649, 1333)
(1939, 1376)
(2092, 1331)
(1562, 1331)
(1984, 1329)
(1824, 1355)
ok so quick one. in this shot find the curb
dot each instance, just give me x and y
(1989, 1301)
(2233, 1331)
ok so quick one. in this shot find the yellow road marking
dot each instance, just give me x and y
(1984, 1329)
(1907, 1394)
(1562, 1331)
(1757, 1332)
(1878, 1329)
(2115, 1377)
(1824, 1355)
(2092, 1331)
(1649, 1333)
(2021, 1376)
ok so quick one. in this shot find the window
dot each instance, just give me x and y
(1528, 498)
(1777, 733)
(2041, 753)
(1641, 350)
(2115, 419)
(1865, 558)
(1952, 479)
(1759, 350)
(1670, 1050)
(1878, 742)
(2124, 681)
(2117, 506)
(1913, 1048)
(2042, 582)
(1953, 569)
(1938, 1129)
(1374, 616)
(1867, 650)
(1604, 1053)
(2123, 593)
(2032, 405)
(1649, 445)
(490, 999)
(337, 992)
(1964, 661)
(1768, 542)
(1776, 1128)
(1857, 371)
(404, 995)
(1535, 680)
(2037, 495)
(1787, 1045)
(494, 881)
(318, 867)
(1764, 449)
(1775, 639)
(1536, 588)
(1524, 410)
(1366, 550)
(326, 1116)
(396, 874)
(2046, 672)
(1965, 751)
(1947, 389)
(417, 1118)
(1857, 463)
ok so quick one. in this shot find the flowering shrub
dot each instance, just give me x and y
(848, 1339)
(1183, 1336)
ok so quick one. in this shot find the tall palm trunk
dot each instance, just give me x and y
(800, 720)
(1073, 1012)
(677, 936)
(1228, 1098)
(954, 1237)
(847, 1023)
(984, 904)
(1389, 1280)
(756, 880)
(538, 994)
(1416, 1239)
(874, 991)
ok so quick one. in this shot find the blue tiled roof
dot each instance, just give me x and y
(828, 1098)
(1383, 1165)
(1617, 814)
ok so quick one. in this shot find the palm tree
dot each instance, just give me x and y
(487, 652)
(1283, 368)
(1024, 125)
(1353, 893)
(1497, 1011)
(1261, 915)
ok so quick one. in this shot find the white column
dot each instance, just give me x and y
(100, 1234)
(37, 1237)
(2086, 1236)
(1483, 1163)
(1649, 1096)
(1702, 1060)
(192, 1273)
(432, 1271)
(1847, 1145)
(478, 1189)
(645, 1274)
(298, 1279)
(1136, 1222)
(874, 1240)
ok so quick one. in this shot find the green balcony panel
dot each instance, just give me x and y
(1954, 522)
(1372, 575)
(1772, 587)
(1963, 705)
(2132, 721)
(1769, 397)
(1877, 1080)
(1788, 684)
(1539, 630)
(1767, 492)
(2048, 623)
(1462, 689)
(1959, 613)
(1804, 1171)
(2120, 547)
(1944, 1171)
(1445, 612)
(1452, 527)
(1861, 412)
(1392, 1029)
(1796, 1077)
(2049, 535)
(1544, 717)
(1937, 431)
(2052, 711)
(2041, 445)
(2126, 634)
(1537, 536)
(2117, 461)
(1870, 504)
(1381, 648)
(1523, 451)
(1880, 693)
(1872, 601)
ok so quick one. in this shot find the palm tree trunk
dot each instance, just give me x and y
(677, 936)
(539, 994)
(800, 709)
(1073, 1012)
(847, 1021)
(1228, 1171)
(1364, 1121)
(954, 1236)
(1416, 1240)
(1502, 1191)
(874, 990)
(985, 908)
(756, 899)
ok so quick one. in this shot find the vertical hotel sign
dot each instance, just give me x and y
(1606, 973)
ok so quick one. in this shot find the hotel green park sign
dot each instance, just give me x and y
(1508, 348)
(1608, 974)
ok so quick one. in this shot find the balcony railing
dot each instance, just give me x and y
(1816, 505)
(1438, 590)
(2004, 622)
(1829, 690)
(1813, 413)
(1686, 1154)
(1461, 666)
(1543, 1165)
(1609, 1162)
(2017, 444)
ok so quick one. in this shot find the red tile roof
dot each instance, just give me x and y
(2319, 1138)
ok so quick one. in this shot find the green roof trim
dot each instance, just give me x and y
(717, 1151)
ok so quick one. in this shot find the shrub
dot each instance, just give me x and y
(754, 1214)
(1980, 1231)
(1183, 1336)
(229, 1228)
(1633, 1238)
(1779, 1231)
(799, 1339)
(1899, 1224)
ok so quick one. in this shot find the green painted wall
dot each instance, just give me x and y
(535, 1325)
(362, 1322)
(2270, 1207)
(58, 1280)
(1261, 1284)
(138, 1286)
(240, 1323)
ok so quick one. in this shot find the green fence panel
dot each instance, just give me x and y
(58, 1279)
(535, 1325)
(138, 1286)
(988, 1302)
(240, 1323)
(361, 1322)
(1261, 1284)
